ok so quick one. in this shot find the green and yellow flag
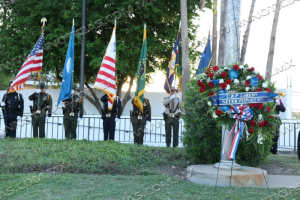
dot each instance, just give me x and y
(141, 75)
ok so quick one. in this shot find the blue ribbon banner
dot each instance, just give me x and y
(243, 98)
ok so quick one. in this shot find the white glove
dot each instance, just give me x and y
(147, 122)
(180, 120)
(277, 102)
(117, 119)
(79, 119)
(38, 90)
(172, 96)
(19, 118)
(2, 104)
(47, 118)
(72, 92)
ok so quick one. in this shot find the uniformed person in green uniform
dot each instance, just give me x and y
(42, 103)
(73, 113)
(139, 120)
(172, 116)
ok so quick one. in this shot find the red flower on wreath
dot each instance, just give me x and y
(211, 75)
(199, 83)
(265, 122)
(268, 108)
(211, 93)
(215, 68)
(251, 130)
(252, 105)
(268, 89)
(203, 86)
(260, 77)
(202, 90)
(271, 116)
(259, 90)
(252, 69)
(223, 74)
(247, 83)
(261, 124)
(228, 81)
(259, 106)
(223, 85)
(219, 112)
(210, 84)
(252, 123)
(236, 67)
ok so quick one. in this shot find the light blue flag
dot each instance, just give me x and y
(206, 57)
(67, 82)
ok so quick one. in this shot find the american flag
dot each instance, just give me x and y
(106, 78)
(33, 63)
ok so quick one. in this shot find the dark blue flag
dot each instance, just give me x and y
(206, 57)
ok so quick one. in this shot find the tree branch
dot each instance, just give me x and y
(94, 101)
(127, 96)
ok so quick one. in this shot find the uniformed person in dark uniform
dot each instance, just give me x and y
(172, 116)
(110, 117)
(73, 113)
(139, 120)
(12, 107)
(278, 108)
(42, 102)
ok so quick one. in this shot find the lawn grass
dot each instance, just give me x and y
(103, 157)
(83, 186)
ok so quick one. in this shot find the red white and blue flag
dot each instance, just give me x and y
(33, 63)
(106, 78)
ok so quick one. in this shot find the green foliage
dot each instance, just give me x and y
(21, 29)
(4, 81)
(104, 157)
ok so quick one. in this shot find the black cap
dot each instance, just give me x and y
(10, 83)
(42, 85)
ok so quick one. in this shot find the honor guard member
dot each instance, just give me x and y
(172, 116)
(42, 102)
(278, 108)
(139, 120)
(12, 107)
(73, 113)
(110, 117)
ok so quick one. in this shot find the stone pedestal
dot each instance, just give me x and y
(243, 177)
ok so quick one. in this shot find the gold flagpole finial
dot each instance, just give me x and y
(44, 20)
(145, 26)
(180, 25)
(73, 22)
(115, 22)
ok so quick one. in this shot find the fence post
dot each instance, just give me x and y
(88, 129)
(295, 137)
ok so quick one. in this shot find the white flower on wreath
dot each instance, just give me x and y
(208, 80)
(241, 66)
(236, 81)
(228, 87)
(248, 77)
(247, 89)
(225, 68)
(214, 115)
(255, 71)
(221, 81)
(200, 77)
(260, 117)
(265, 84)
(243, 82)
(209, 103)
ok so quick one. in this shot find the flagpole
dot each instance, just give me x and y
(178, 53)
(43, 20)
(72, 74)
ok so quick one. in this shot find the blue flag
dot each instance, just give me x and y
(174, 60)
(206, 57)
(67, 82)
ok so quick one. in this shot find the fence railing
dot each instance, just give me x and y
(91, 128)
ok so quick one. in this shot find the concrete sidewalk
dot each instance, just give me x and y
(283, 181)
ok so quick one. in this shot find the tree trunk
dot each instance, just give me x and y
(127, 96)
(221, 56)
(246, 36)
(185, 47)
(94, 99)
(272, 41)
(215, 35)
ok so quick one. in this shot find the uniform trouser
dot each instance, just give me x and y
(10, 127)
(169, 123)
(70, 128)
(275, 140)
(38, 126)
(138, 131)
(109, 128)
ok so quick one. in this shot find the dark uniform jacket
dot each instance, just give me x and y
(146, 115)
(116, 109)
(14, 105)
(44, 104)
(77, 107)
(278, 109)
